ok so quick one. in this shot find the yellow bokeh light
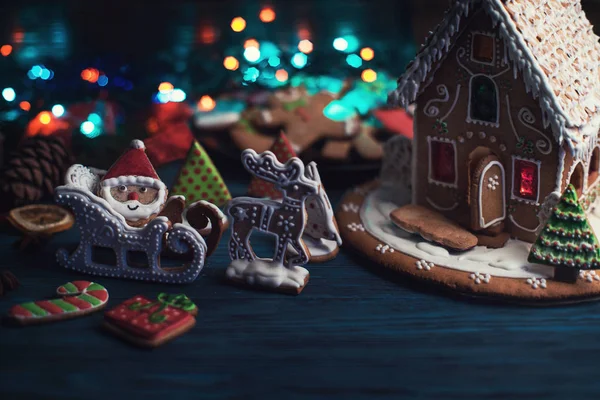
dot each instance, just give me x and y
(368, 75)
(231, 63)
(45, 117)
(305, 46)
(238, 24)
(267, 15)
(251, 43)
(281, 75)
(165, 87)
(206, 103)
(367, 54)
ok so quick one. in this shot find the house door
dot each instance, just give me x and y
(488, 198)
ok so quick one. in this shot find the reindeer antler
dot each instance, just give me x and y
(266, 166)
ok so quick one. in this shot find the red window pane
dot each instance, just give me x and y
(442, 161)
(526, 176)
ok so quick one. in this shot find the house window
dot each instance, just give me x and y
(525, 179)
(443, 162)
(483, 48)
(594, 167)
(483, 101)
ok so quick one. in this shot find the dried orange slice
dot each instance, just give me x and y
(41, 219)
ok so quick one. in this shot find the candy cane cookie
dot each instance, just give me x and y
(78, 298)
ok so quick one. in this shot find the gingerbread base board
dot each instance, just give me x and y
(536, 289)
(282, 289)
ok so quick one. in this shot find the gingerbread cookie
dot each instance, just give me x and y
(285, 219)
(199, 179)
(208, 220)
(78, 298)
(148, 323)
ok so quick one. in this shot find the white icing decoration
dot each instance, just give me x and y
(271, 274)
(456, 97)
(424, 265)
(589, 276)
(537, 283)
(354, 227)
(319, 247)
(432, 111)
(267, 116)
(351, 126)
(488, 34)
(384, 248)
(527, 118)
(350, 207)
(471, 120)
(515, 223)
(480, 204)
(432, 249)
(479, 278)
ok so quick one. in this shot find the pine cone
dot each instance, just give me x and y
(33, 171)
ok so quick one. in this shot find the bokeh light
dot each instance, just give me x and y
(206, 103)
(281, 75)
(252, 54)
(238, 24)
(25, 105)
(86, 74)
(354, 61)
(102, 80)
(177, 96)
(88, 128)
(95, 119)
(6, 50)
(338, 111)
(274, 61)
(368, 75)
(299, 60)
(352, 43)
(9, 94)
(305, 46)
(367, 53)
(165, 87)
(45, 117)
(340, 44)
(251, 74)
(58, 110)
(231, 63)
(251, 43)
(208, 34)
(267, 15)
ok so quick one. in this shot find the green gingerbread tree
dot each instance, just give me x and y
(567, 241)
(199, 179)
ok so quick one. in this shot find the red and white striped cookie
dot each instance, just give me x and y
(79, 298)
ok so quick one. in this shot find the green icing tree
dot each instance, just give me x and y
(567, 241)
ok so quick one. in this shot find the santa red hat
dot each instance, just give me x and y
(133, 168)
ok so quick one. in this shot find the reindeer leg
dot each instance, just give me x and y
(239, 244)
(302, 257)
(280, 249)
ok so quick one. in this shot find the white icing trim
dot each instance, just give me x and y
(134, 180)
(476, 121)
(453, 104)
(432, 111)
(429, 173)
(513, 196)
(510, 119)
(137, 144)
(527, 118)
(267, 116)
(490, 35)
(440, 208)
(142, 211)
(515, 223)
(481, 188)
(561, 170)
(414, 164)
(459, 54)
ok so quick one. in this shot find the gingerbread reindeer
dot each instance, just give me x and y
(285, 220)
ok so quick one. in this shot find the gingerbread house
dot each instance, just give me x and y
(508, 112)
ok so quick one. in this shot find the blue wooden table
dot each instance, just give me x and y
(350, 334)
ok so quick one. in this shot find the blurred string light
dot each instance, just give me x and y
(206, 103)
(9, 94)
(299, 60)
(281, 75)
(6, 49)
(90, 74)
(95, 119)
(252, 54)
(102, 80)
(208, 34)
(346, 43)
(305, 46)
(231, 63)
(354, 61)
(58, 110)
(274, 61)
(167, 92)
(25, 105)
(165, 87)
(92, 127)
(177, 96)
(338, 111)
(367, 53)
(368, 75)
(340, 44)
(251, 74)
(251, 43)
(238, 24)
(39, 71)
(267, 15)
(45, 117)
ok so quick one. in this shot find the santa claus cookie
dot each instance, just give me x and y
(132, 187)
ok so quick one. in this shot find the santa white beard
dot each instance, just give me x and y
(133, 210)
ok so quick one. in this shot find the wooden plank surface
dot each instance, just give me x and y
(350, 334)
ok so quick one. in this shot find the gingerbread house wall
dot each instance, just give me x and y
(443, 115)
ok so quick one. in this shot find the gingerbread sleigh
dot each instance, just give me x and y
(125, 212)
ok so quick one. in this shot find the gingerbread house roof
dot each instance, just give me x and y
(552, 44)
